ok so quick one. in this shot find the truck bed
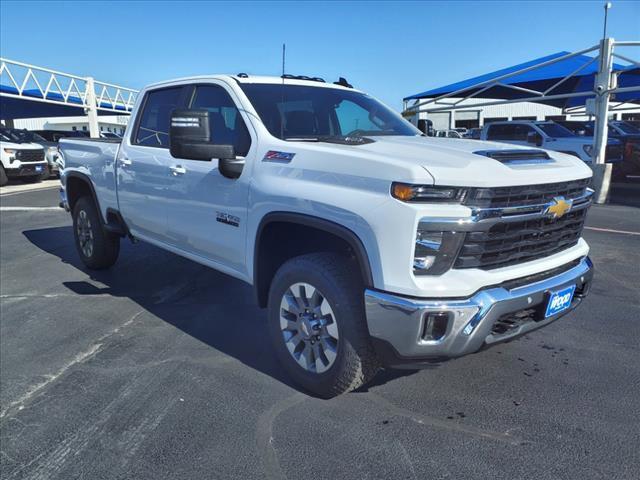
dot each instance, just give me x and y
(93, 158)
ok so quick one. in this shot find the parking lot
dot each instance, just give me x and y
(160, 368)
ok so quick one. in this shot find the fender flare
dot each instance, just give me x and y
(85, 179)
(328, 226)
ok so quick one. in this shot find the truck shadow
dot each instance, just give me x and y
(214, 308)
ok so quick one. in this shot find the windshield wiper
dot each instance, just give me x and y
(342, 140)
(302, 139)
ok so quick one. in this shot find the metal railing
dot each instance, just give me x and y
(38, 84)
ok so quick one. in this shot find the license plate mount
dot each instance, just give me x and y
(559, 300)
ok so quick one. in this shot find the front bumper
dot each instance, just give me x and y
(398, 325)
(26, 170)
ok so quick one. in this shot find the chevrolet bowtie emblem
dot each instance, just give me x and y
(558, 207)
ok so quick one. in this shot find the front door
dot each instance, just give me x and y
(207, 211)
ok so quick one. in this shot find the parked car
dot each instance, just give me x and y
(473, 133)
(548, 135)
(448, 134)
(50, 148)
(109, 135)
(627, 134)
(20, 159)
(56, 135)
(369, 243)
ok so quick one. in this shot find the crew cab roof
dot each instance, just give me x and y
(252, 79)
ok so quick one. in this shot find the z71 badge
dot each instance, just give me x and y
(274, 156)
(228, 219)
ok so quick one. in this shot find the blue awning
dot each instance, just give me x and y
(541, 79)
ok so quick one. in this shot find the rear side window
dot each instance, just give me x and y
(153, 127)
(226, 123)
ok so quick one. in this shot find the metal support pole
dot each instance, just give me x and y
(602, 87)
(92, 109)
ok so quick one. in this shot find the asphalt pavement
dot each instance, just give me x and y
(160, 369)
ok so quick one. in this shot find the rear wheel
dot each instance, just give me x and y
(317, 324)
(98, 249)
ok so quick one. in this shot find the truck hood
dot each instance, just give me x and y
(453, 162)
(20, 146)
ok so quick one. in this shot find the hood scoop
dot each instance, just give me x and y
(517, 157)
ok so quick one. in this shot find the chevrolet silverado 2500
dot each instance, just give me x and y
(370, 244)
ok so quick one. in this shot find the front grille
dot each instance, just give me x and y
(510, 243)
(503, 197)
(30, 155)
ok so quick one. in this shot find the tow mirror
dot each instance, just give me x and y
(535, 138)
(190, 138)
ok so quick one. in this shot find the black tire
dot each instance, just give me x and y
(333, 275)
(3, 177)
(105, 246)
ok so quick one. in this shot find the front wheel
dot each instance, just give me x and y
(317, 324)
(98, 249)
(3, 177)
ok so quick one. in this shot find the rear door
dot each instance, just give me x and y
(207, 211)
(143, 164)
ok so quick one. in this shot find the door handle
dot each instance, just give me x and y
(177, 170)
(125, 162)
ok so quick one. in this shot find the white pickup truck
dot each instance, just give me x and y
(370, 244)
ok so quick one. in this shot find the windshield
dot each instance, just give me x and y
(298, 112)
(9, 135)
(555, 130)
(28, 136)
(20, 136)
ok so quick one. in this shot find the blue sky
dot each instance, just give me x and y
(389, 49)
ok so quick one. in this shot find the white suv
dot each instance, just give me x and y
(19, 159)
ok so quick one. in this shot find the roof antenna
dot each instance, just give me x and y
(284, 50)
(607, 6)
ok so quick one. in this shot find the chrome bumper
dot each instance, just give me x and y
(397, 324)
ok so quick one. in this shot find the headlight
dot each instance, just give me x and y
(426, 193)
(10, 151)
(435, 251)
(52, 150)
(588, 149)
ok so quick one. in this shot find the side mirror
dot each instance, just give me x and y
(190, 138)
(535, 138)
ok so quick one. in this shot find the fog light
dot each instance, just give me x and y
(435, 326)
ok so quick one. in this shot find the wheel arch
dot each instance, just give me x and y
(77, 185)
(279, 229)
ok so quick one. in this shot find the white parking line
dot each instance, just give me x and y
(35, 187)
(609, 230)
(30, 209)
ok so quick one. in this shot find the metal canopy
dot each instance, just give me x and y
(28, 91)
(545, 77)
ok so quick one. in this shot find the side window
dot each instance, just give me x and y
(153, 127)
(226, 123)
(352, 116)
